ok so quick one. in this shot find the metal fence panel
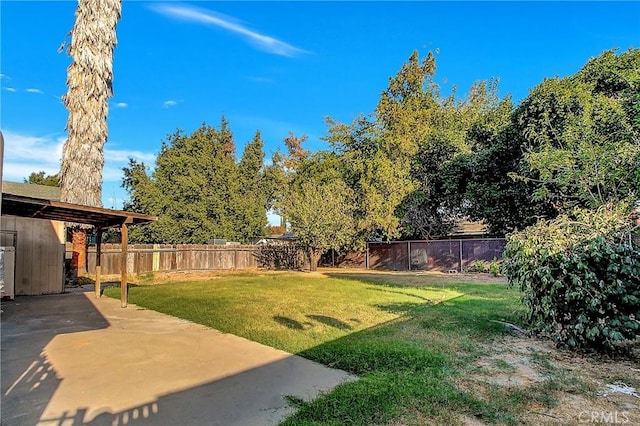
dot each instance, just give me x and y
(440, 255)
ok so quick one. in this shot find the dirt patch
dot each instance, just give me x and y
(509, 370)
(560, 387)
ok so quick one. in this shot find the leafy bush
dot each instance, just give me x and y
(580, 275)
(482, 266)
(495, 267)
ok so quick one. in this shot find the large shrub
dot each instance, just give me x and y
(580, 275)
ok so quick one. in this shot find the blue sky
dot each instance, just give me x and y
(276, 66)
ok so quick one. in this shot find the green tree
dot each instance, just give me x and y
(255, 192)
(579, 271)
(571, 142)
(491, 194)
(144, 196)
(409, 163)
(40, 178)
(198, 190)
(377, 151)
(581, 133)
(443, 163)
(319, 207)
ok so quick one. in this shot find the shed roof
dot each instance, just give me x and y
(42, 202)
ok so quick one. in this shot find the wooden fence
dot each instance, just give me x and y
(143, 258)
(442, 255)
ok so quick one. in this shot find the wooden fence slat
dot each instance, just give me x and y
(144, 258)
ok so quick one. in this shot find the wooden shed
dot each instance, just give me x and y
(39, 244)
(17, 206)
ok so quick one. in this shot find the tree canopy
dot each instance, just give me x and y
(41, 178)
(413, 167)
(198, 189)
(316, 202)
(582, 135)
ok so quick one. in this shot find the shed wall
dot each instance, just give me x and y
(39, 255)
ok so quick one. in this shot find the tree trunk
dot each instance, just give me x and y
(314, 257)
(89, 81)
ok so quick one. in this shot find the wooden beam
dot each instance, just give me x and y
(98, 288)
(124, 290)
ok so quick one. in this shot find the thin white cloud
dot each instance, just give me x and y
(32, 90)
(170, 103)
(121, 105)
(4, 76)
(260, 79)
(25, 154)
(122, 156)
(9, 89)
(261, 41)
(111, 173)
(116, 159)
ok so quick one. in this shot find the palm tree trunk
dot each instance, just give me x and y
(89, 81)
(90, 85)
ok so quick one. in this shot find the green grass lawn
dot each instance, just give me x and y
(408, 343)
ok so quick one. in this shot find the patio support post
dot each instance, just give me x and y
(98, 288)
(124, 290)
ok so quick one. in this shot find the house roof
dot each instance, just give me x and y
(31, 190)
(469, 228)
(16, 202)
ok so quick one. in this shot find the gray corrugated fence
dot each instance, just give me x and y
(440, 255)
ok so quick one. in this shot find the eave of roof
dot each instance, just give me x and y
(16, 205)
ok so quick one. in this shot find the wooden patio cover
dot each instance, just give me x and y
(100, 218)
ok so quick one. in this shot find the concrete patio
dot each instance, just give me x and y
(72, 359)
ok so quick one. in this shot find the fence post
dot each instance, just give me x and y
(409, 254)
(460, 255)
(366, 257)
(156, 258)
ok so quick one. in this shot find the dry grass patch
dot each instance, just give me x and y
(554, 386)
